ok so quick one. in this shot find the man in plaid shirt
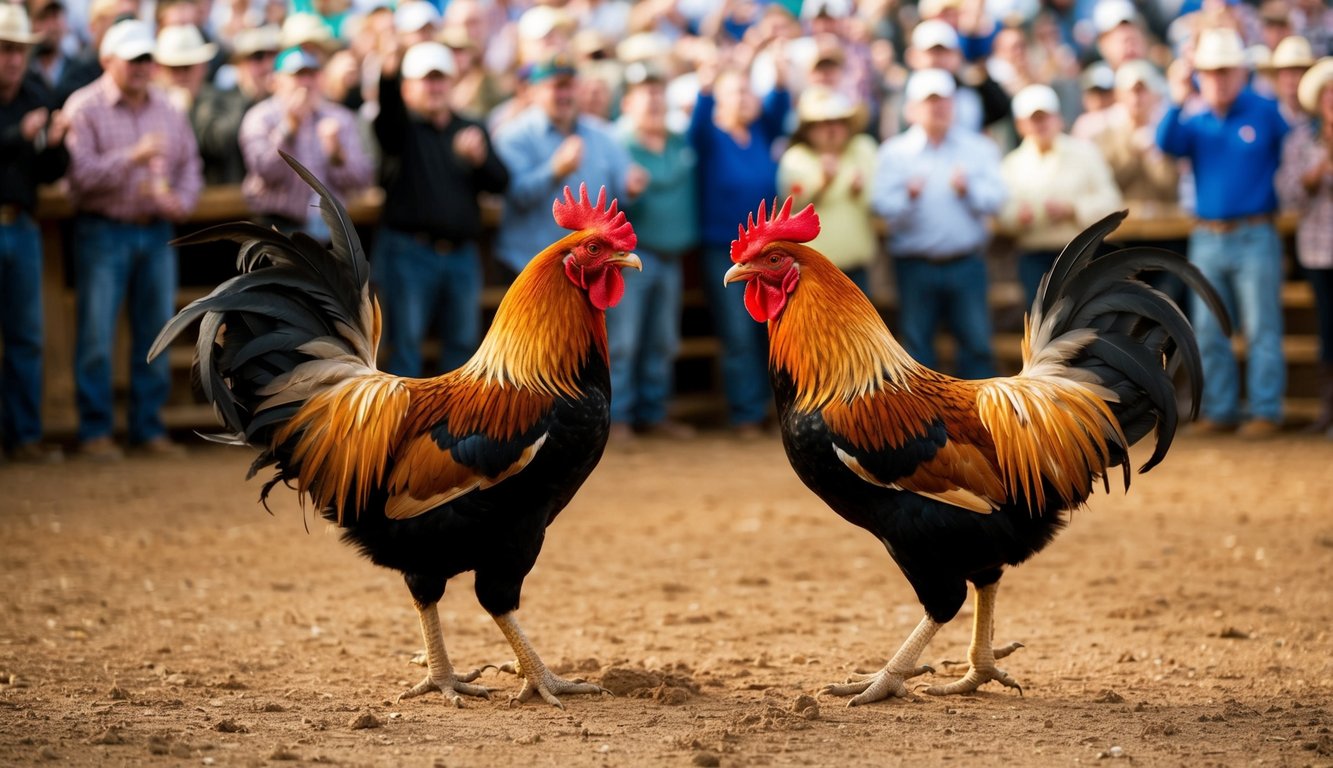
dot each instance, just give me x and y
(300, 121)
(134, 169)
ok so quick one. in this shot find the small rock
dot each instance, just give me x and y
(209, 761)
(272, 707)
(707, 759)
(806, 706)
(1231, 633)
(47, 753)
(1108, 696)
(283, 753)
(230, 726)
(112, 735)
(118, 694)
(365, 720)
(177, 679)
(1114, 753)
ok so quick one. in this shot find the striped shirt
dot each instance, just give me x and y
(272, 187)
(104, 128)
(1314, 234)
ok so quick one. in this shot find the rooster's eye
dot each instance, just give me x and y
(774, 259)
(594, 249)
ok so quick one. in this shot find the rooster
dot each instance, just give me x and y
(959, 479)
(429, 477)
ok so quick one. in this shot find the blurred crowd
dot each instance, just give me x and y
(940, 122)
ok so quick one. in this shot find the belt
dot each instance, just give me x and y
(136, 221)
(935, 259)
(438, 244)
(10, 214)
(1224, 226)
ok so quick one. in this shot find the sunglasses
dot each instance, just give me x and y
(262, 55)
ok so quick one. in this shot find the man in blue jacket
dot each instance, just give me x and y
(1233, 139)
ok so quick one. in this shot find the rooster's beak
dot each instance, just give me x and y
(628, 260)
(737, 272)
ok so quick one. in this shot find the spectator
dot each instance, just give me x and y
(1058, 186)
(1148, 179)
(1291, 58)
(548, 147)
(643, 330)
(1305, 181)
(416, 21)
(935, 45)
(218, 112)
(308, 32)
(828, 164)
(60, 73)
(181, 56)
(936, 185)
(1120, 34)
(1313, 20)
(1099, 110)
(475, 90)
(1234, 144)
(32, 142)
(733, 138)
(320, 134)
(134, 169)
(426, 265)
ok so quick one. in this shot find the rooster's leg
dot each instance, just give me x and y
(440, 673)
(537, 679)
(981, 656)
(890, 681)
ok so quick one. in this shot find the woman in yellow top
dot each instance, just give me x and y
(829, 163)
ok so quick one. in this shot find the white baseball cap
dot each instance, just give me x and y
(127, 40)
(934, 33)
(541, 20)
(834, 9)
(182, 45)
(925, 83)
(1035, 98)
(415, 15)
(425, 58)
(1110, 14)
(1131, 73)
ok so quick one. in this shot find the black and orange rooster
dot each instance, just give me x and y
(430, 477)
(957, 478)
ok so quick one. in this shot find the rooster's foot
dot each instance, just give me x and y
(978, 674)
(876, 686)
(548, 685)
(454, 687)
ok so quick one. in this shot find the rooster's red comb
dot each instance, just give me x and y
(582, 214)
(759, 231)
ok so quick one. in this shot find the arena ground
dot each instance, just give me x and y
(154, 614)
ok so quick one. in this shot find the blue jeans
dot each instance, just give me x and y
(21, 332)
(1245, 266)
(643, 334)
(1032, 267)
(744, 342)
(114, 261)
(952, 291)
(417, 284)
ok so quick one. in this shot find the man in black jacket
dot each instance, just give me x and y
(436, 162)
(32, 146)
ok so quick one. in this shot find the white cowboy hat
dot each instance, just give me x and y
(14, 26)
(1219, 48)
(182, 46)
(1313, 82)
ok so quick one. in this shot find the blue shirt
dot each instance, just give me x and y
(734, 178)
(1234, 156)
(938, 222)
(666, 215)
(526, 144)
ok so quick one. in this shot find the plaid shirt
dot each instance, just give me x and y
(1314, 235)
(272, 187)
(104, 129)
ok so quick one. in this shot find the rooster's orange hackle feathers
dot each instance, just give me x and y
(759, 232)
(581, 214)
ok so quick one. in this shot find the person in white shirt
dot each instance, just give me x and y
(1058, 185)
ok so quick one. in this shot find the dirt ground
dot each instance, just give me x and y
(154, 614)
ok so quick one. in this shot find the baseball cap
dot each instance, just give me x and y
(127, 40)
(1097, 77)
(834, 9)
(925, 83)
(640, 72)
(1035, 98)
(539, 21)
(934, 33)
(425, 58)
(1131, 73)
(1110, 14)
(293, 60)
(415, 15)
(556, 66)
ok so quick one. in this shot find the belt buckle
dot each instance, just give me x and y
(8, 214)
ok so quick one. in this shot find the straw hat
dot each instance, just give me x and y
(14, 26)
(306, 29)
(182, 46)
(1292, 53)
(1219, 48)
(1313, 82)
(256, 40)
(821, 105)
